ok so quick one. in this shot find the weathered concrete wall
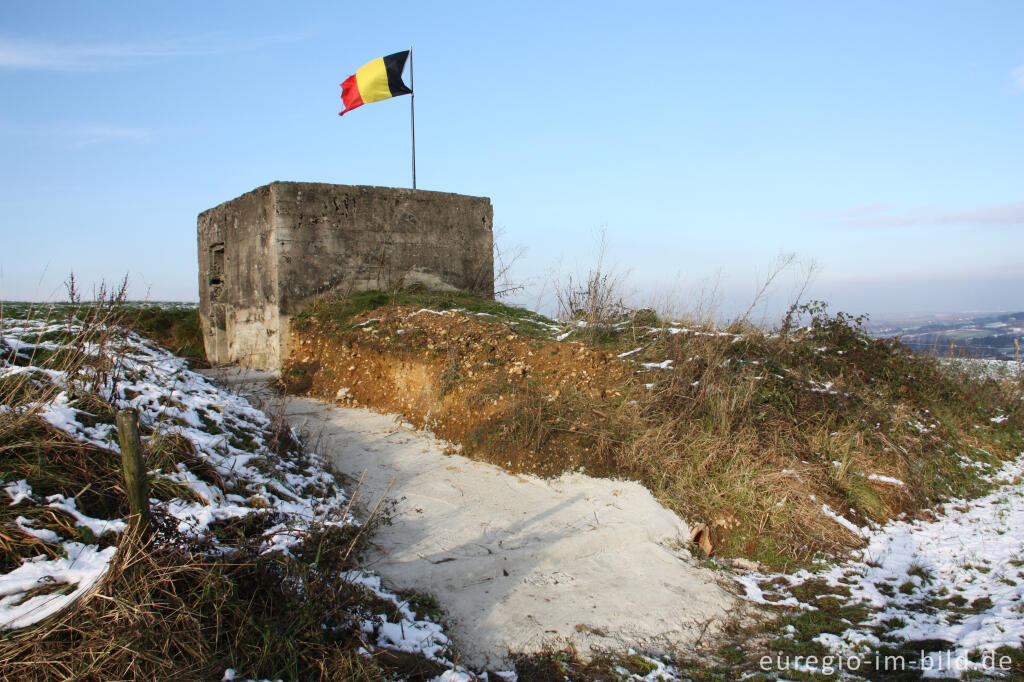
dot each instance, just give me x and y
(264, 255)
(337, 238)
(238, 281)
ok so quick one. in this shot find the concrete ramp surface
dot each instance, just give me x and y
(518, 563)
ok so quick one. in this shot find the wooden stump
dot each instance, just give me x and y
(134, 465)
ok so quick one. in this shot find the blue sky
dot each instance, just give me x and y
(884, 141)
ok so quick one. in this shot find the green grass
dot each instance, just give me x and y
(175, 328)
(567, 666)
(340, 311)
(173, 325)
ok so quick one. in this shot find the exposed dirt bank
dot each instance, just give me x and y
(470, 381)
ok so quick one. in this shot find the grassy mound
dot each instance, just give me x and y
(251, 565)
(783, 443)
(754, 432)
(175, 327)
(340, 313)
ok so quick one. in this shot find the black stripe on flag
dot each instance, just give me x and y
(394, 65)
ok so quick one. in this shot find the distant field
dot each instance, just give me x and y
(172, 324)
(36, 309)
(984, 336)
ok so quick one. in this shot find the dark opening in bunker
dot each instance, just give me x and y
(216, 274)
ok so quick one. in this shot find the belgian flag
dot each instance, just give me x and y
(375, 81)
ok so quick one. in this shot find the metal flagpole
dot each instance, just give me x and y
(412, 116)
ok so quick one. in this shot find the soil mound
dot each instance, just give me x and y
(468, 381)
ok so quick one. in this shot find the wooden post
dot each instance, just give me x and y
(952, 347)
(1016, 350)
(135, 480)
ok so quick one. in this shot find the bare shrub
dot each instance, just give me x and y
(595, 299)
(500, 274)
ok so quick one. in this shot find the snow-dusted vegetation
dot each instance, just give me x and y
(943, 596)
(227, 484)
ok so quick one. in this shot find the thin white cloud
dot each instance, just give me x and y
(78, 135)
(20, 54)
(88, 135)
(1002, 215)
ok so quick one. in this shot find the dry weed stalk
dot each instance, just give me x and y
(597, 298)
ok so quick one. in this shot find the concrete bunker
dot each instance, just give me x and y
(264, 255)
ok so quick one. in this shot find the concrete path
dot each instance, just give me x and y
(519, 563)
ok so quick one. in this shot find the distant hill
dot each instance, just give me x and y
(985, 335)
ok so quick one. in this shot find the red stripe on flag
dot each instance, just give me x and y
(350, 95)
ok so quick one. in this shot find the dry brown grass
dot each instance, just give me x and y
(749, 431)
(165, 612)
(172, 608)
(752, 434)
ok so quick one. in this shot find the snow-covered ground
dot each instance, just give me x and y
(956, 581)
(225, 430)
(989, 368)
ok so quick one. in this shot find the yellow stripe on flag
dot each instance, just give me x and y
(372, 80)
